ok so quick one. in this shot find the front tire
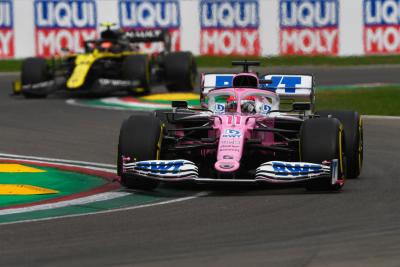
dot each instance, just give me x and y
(353, 134)
(140, 139)
(320, 140)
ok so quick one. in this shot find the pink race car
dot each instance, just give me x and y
(243, 133)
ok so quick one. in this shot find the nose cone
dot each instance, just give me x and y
(227, 165)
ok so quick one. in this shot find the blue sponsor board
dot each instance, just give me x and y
(381, 12)
(308, 14)
(229, 14)
(6, 14)
(65, 14)
(149, 14)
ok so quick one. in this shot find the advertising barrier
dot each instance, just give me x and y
(381, 26)
(309, 27)
(153, 14)
(63, 25)
(229, 27)
(6, 29)
(206, 27)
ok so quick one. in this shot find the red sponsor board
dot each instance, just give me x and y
(315, 41)
(6, 43)
(230, 42)
(382, 39)
(53, 41)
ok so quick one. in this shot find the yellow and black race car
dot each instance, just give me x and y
(112, 63)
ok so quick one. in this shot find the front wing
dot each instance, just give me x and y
(270, 172)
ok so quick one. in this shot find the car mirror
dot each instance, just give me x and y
(179, 104)
(301, 106)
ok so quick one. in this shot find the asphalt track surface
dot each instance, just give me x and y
(359, 226)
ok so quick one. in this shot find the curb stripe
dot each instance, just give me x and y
(201, 194)
(110, 176)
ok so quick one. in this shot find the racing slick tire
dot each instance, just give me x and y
(137, 68)
(139, 139)
(322, 139)
(34, 70)
(180, 71)
(353, 135)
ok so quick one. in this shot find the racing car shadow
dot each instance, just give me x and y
(222, 190)
(226, 190)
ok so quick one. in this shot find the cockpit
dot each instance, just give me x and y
(242, 101)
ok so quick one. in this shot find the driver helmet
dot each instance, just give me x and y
(231, 105)
(247, 105)
(105, 46)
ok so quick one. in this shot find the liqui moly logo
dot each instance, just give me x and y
(229, 27)
(309, 27)
(6, 29)
(152, 14)
(64, 24)
(381, 26)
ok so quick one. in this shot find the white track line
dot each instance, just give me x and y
(112, 210)
(73, 102)
(78, 201)
(55, 160)
(373, 117)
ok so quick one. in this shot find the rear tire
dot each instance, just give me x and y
(180, 71)
(34, 70)
(139, 139)
(320, 140)
(353, 134)
(137, 67)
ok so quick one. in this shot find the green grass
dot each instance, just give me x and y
(225, 61)
(377, 101)
(10, 65)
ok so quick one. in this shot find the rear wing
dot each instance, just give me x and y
(149, 36)
(292, 88)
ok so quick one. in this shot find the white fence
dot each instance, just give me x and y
(208, 27)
